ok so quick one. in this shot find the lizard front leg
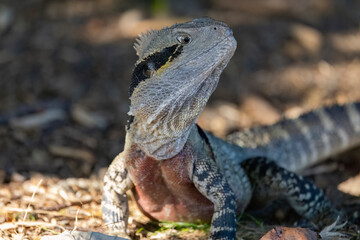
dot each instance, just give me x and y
(210, 182)
(114, 203)
(270, 180)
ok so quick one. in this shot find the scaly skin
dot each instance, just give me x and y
(179, 172)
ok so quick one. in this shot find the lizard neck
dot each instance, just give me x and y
(157, 142)
(162, 133)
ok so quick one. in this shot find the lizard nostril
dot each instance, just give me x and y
(215, 28)
(229, 32)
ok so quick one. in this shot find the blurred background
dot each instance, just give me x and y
(65, 67)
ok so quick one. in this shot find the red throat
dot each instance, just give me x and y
(163, 189)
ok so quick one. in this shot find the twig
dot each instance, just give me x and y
(27, 210)
(45, 212)
(32, 199)
(62, 206)
(7, 226)
(76, 219)
(321, 169)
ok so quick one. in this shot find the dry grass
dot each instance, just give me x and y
(31, 210)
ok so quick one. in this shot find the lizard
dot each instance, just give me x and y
(180, 172)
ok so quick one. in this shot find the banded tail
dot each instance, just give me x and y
(298, 143)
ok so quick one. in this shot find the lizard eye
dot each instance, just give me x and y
(149, 69)
(184, 38)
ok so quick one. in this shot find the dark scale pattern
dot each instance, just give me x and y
(299, 143)
(357, 106)
(316, 129)
(210, 182)
(114, 203)
(155, 60)
(270, 180)
(340, 118)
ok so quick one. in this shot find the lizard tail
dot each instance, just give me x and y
(298, 143)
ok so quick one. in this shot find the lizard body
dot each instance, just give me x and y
(179, 172)
(304, 141)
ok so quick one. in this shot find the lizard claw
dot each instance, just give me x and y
(330, 232)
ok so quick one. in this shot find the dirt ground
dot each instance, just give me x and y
(65, 68)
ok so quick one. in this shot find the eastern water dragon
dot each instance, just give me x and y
(179, 172)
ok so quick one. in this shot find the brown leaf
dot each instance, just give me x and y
(282, 233)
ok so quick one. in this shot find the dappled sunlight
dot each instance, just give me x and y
(65, 70)
(351, 186)
(347, 42)
(127, 25)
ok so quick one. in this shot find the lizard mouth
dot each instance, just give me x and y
(228, 38)
(229, 49)
(209, 83)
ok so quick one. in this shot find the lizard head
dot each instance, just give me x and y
(177, 70)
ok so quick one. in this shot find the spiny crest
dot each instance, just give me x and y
(143, 40)
(147, 43)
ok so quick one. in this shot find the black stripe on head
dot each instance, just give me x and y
(129, 122)
(178, 51)
(153, 63)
